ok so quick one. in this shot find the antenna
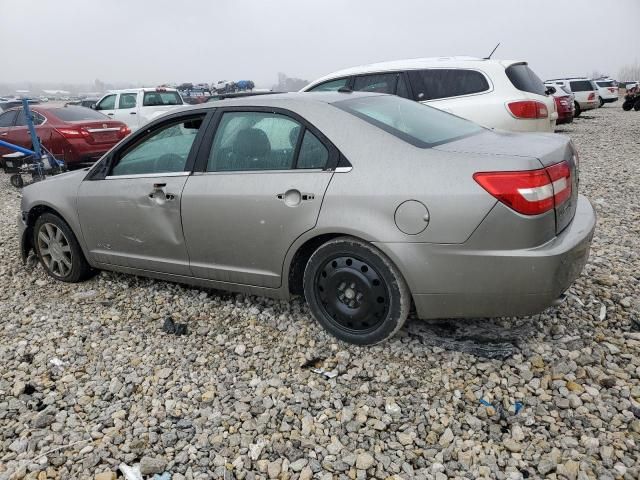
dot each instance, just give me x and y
(492, 52)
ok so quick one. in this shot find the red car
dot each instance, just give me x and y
(77, 135)
(565, 108)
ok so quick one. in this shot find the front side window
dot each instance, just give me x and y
(254, 141)
(331, 85)
(107, 103)
(164, 150)
(160, 98)
(127, 100)
(7, 118)
(436, 83)
(413, 122)
(378, 83)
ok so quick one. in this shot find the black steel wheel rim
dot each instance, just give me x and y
(352, 294)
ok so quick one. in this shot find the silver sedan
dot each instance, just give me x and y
(368, 205)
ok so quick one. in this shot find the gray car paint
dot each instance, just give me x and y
(465, 221)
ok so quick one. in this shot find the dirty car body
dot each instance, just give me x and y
(349, 198)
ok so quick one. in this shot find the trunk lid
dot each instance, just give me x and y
(101, 132)
(547, 148)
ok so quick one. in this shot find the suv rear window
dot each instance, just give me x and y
(415, 123)
(605, 84)
(77, 114)
(581, 85)
(444, 83)
(155, 99)
(524, 79)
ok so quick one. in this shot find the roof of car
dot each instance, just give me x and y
(416, 63)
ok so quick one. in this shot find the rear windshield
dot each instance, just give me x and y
(413, 122)
(154, 99)
(72, 113)
(605, 84)
(581, 85)
(524, 79)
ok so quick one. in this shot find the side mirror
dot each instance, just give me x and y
(549, 91)
(94, 106)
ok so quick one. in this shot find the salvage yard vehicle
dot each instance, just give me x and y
(364, 203)
(584, 90)
(137, 106)
(501, 94)
(564, 103)
(607, 91)
(76, 135)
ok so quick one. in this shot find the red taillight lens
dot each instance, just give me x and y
(612, 89)
(528, 109)
(592, 96)
(70, 132)
(529, 192)
(124, 131)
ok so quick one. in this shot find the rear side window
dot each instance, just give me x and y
(378, 83)
(524, 79)
(313, 154)
(581, 85)
(444, 83)
(7, 118)
(155, 99)
(21, 121)
(77, 114)
(330, 86)
(415, 123)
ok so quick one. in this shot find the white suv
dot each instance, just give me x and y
(137, 106)
(584, 89)
(607, 90)
(495, 93)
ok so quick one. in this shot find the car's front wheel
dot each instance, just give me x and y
(355, 292)
(58, 250)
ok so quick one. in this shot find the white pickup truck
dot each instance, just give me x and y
(138, 106)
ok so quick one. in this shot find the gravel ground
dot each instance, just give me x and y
(88, 379)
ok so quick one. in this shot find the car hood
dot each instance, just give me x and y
(549, 148)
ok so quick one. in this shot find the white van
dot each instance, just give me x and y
(502, 94)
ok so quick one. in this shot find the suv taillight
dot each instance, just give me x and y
(528, 109)
(530, 192)
(592, 96)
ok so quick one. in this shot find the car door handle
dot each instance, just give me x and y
(293, 197)
(3, 134)
(110, 114)
(159, 192)
(132, 113)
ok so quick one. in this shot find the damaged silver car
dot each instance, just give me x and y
(368, 205)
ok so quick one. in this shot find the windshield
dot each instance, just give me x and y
(413, 122)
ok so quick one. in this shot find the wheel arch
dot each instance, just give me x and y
(35, 212)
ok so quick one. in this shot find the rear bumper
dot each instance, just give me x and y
(589, 105)
(450, 281)
(609, 100)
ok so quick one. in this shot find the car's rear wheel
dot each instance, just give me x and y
(355, 292)
(58, 250)
(601, 102)
(636, 106)
(577, 110)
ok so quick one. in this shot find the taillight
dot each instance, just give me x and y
(592, 96)
(529, 192)
(528, 109)
(612, 89)
(124, 131)
(74, 132)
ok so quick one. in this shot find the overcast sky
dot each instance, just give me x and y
(157, 41)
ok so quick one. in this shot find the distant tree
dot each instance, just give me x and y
(629, 72)
(597, 74)
(287, 84)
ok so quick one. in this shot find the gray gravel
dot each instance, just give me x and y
(88, 379)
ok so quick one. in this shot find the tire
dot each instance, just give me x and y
(600, 102)
(627, 105)
(16, 180)
(636, 106)
(355, 292)
(63, 260)
(577, 111)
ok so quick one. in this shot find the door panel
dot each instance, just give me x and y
(127, 110)
(238, 226)
(135, 222)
